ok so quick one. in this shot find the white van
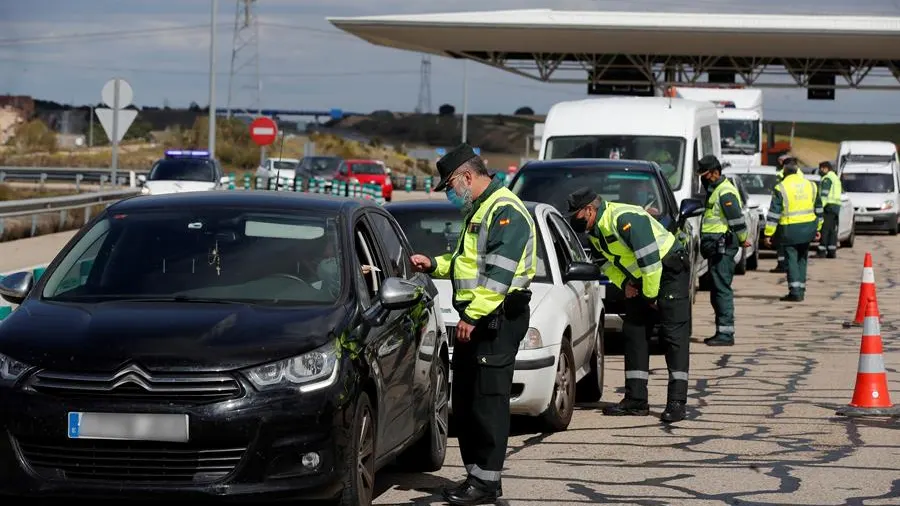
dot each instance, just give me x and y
(639, 128)
(865, 152)
(873, 185)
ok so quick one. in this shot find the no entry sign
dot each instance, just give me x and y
(263, 131)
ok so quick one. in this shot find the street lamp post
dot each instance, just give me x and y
(212, 79)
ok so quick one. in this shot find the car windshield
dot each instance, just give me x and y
(857, 182)
(283, 165)
(225, 255)
(553, 186)
(739, 136)
(667, 152)
(367, 168)
(183, 169)
(321, 165)
(759, 184)
(434, 233)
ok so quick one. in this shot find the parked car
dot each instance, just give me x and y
(759, 182)
(223, 344)
(747, 257)
(183, 171)
(367, 172)
(847, 218)
(321, 167)
(639, 183)
(564, 344)
(282, 170)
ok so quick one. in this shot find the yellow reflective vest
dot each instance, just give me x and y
(724, 211)
(795, 201)
(831, 189)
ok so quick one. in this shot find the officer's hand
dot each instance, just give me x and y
(630, 290)
(421, 263)
(464, 331)
(818, 235)
(768, 242)
(747, 243)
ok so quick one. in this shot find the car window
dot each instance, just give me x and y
(368, 168)
(393, 246)
(706, 140)
(860, 182)
(758, 184)
(570, 240)
(343, 170)
(183, 169)
(367, 255)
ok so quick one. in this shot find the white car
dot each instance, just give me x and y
(183, 171)
(847, 217)
(747, 258)
(282, 170)
(564, 344)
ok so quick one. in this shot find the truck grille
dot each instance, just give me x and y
(134, 384)
(130, 462)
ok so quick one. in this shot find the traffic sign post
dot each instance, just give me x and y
(116, 120)
(263, 132)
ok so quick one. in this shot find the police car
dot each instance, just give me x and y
(183, 171)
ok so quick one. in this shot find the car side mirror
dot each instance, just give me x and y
(688, 209)
(583, 271)
(398, 293)
(15, 287)
(224, 180)
(141, 179)
(752, 204)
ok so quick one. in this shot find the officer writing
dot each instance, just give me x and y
(795, 214)
(831, 198)
(491, 269)
(722, 233)
(647, 262)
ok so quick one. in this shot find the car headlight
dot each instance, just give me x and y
(311, 371)
(11, 370)
(888, 204)
(532, 340)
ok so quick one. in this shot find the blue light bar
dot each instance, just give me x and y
(181, 153)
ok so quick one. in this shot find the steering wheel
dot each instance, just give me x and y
(286, 276)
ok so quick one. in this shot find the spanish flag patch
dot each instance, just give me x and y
(504, 221)
(728, 204)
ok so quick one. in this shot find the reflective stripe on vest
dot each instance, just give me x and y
(614, 249)
(470, 264)
(833, 197)
(714, 219)
(799, 198)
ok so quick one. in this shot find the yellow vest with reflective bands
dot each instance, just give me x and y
(714, 219)
(469, 280)
(834, 194)
(799, 197)
(616, 252)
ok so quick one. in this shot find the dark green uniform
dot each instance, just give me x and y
(796, 215)
(722, 234)
(494, 298)
(780, 266)
(831, 197)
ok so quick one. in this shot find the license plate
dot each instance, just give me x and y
(865, 219)
(129, 426)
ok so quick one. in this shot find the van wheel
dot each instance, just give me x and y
(894, 229)
(558, 414)
(590, 388)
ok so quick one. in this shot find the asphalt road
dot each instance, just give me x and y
(761, 427)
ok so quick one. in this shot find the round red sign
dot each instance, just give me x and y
(263, 131)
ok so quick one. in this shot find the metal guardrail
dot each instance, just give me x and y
(75, 175)
(63, 205)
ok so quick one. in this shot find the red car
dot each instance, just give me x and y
(367, 172)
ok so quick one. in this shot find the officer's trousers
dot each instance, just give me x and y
(796, 256)
(482, 379)
(673, 314)
(828, 241)
(780, 255)
(721, 268)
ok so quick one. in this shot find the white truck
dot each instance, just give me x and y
(740, 120)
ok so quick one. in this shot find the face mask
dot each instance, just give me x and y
(579, 225)
(462, 202)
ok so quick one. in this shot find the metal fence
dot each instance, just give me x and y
(64, 205)
(72, 175)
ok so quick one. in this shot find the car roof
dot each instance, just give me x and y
(602, 164)
(444, 205)
(292, 201)
(361, 160)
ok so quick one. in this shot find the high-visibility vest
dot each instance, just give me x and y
(622, 262)
(798, 196)
(780, 174)
(469, 262)
(834, 194)
(714, 219)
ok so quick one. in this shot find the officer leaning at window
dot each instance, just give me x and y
(796, 215)
(651, 266)
(491, 268)
(723, 233)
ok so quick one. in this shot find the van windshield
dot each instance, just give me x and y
(667, 152)
(867, 182)
(739, 136)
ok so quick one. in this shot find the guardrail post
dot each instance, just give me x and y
(428, 184)
(43, 180)
(231, 181)
(33, 224)
(2, 177)
(62, 220)
(78, 178)
(246, 181)
(102, 180)
(87, 214)
(1, 228)
(408, 184)
(132, 179)
(298, 184)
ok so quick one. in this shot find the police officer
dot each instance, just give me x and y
(647, 262)
(796, 214)
(491, 268)
(779, 250)
(723, 232)
(830, 192)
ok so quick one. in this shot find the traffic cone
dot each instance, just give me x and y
(866, 292)
(871, 395)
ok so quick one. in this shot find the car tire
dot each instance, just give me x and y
(590, 388)
(740, 268)
(359, 483)
(558, 415)
(848, 243)
(894, 229)
(753, 261)
(428, 453)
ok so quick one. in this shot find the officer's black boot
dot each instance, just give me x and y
(719, 340)
(778, 269)
(628, 407)
(473, 492)
(674, 412)
(792, 297)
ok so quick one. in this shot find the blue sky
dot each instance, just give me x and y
(162, 49)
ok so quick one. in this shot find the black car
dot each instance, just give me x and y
(223, 344)
(640, 183)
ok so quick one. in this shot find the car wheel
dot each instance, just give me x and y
(895, 228)
(558, 414)
(741, 267)
(848, 243)
(359, 484)
(590, 388)
(753, 261)
(428, 453)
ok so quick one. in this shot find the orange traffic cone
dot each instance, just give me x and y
(866, 292)
(871, 395)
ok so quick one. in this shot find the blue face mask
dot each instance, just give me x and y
(455, 199)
